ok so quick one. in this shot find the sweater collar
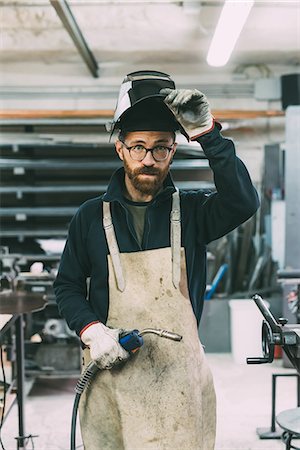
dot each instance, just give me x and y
(117, 183)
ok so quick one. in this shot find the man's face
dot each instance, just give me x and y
(146, 176)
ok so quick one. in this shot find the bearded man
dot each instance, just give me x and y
(143, 246)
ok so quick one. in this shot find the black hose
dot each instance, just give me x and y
(74, 417)
(82, 383)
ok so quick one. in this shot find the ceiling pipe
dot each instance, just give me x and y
(69, 22)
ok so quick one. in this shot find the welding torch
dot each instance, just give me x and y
(131, 341)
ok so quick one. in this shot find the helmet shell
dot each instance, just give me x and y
(139, 86)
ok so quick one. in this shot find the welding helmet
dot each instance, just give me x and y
(140, 104)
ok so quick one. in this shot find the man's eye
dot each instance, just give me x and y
(160, 148)
(138, 148)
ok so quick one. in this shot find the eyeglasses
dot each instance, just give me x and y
(139, 152)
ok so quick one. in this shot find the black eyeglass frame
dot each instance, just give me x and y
(149, 150)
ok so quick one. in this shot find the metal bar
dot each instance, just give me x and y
(58, 164)
(92, 188)
(37, 233)
(50, 121)
(8, 163)
(66, 16)
(33, 257)
(52, 189)
(25, 144)
(273, 414)
(276, 328)
(20, 381)
(38, 212)
(76, 141)
(111, 91)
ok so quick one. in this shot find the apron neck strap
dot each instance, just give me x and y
(176, 238)
(113, 246)
(175, 233)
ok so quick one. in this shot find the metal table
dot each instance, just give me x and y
(17, 304)
(289, 421)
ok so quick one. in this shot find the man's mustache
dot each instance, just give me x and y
(147, 171)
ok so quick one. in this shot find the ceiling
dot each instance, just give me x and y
(166, 35)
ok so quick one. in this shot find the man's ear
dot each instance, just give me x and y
(119, 149)
(173, 152)
(174, 149)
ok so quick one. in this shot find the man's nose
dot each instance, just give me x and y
(148, 160)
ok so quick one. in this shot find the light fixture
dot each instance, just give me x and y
(232, 19)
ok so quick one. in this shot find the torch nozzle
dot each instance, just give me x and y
(162, 333)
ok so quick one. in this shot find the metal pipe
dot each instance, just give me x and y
(276, 328)
(8, 163)
(22, 233)
(20, 381)
(91, 188)
(53, 211)
(66, 16)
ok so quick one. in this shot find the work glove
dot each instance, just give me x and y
(191, 109)
(104, 345)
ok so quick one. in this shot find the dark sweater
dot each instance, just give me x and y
(204, 218)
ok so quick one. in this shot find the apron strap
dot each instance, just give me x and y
(175, 242)
(113, 246)
(176, 238)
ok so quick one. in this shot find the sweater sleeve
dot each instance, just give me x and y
(70, 285)
(235, 199)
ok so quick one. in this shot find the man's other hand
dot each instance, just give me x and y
(104, 345)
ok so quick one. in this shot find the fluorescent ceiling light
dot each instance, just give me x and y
(232, 19)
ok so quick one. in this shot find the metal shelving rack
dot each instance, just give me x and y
(49, 167)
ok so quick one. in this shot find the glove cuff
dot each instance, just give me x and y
(196, 133)
(87, 326)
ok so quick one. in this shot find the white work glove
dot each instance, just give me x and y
(191, 109)
(104, 345)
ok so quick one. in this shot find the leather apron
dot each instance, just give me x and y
(163, 397)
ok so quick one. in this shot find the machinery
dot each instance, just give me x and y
(277, 333)
(46, 334)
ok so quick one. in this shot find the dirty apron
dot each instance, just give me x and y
(163, 397)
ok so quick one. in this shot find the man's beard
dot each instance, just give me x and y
(147, 186)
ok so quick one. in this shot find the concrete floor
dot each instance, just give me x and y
(244, 403)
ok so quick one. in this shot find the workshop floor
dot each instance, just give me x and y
(244, 403)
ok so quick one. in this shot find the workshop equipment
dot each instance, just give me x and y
(288, 337)
(289, 421)
(277, 333)
(290, 285)
(18, 304)
(51, 349)
(131, 342)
